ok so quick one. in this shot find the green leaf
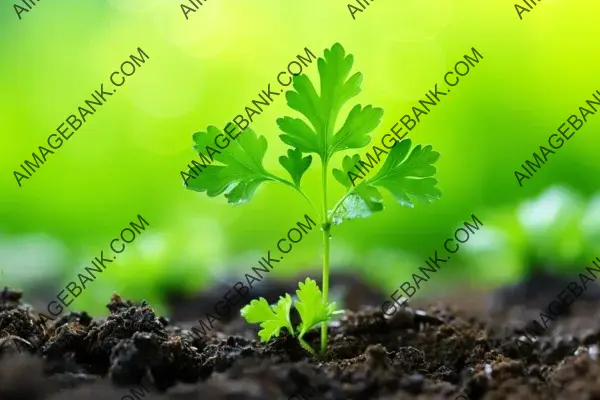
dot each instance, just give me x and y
(355, 133)
(364, 201)
(271, 319)
(408, 178)
(348, 164)
(295, 164)
(310, 306)
(299, 135)
(322, 110)
(239, 171)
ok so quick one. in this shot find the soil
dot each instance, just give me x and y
(454, 347)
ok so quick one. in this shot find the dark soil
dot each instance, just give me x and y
(437, 350)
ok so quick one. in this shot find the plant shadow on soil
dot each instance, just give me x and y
(451, 348)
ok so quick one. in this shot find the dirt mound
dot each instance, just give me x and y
(433, 353)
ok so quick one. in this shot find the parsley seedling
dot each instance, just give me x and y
(406, 174)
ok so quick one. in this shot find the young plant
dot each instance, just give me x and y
(406, 174)
(310, 306)
(554, 231)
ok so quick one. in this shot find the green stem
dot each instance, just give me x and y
(290, 184)
(307, 199)
(307, 347)
(326, 228)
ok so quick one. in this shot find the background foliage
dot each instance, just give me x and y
(202, 71)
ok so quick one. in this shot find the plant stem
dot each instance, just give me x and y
(290, 184)
(307, 347)
(307, 199)
(326, 228)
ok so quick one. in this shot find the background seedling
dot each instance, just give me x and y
(520, 241)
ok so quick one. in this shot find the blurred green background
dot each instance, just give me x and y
(126, 160)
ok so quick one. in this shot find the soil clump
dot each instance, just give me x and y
(434, 351)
